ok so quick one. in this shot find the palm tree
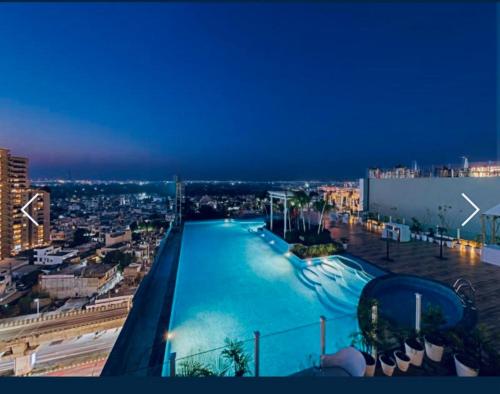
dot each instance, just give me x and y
(236, 357)
(324, 207)
(301, 199)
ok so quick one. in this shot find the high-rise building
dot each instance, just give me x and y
(17, 231)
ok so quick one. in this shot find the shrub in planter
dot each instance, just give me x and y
(415, 351)
(321, 250)
(365, 340)
(475, 350)
(433, 321)
(371, 363)
(416, 227)
(402, 360)
(465, 365)
(388, 364)
(434, 347)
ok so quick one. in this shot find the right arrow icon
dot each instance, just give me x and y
(475, 207)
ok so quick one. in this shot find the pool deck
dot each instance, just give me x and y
(419, 258)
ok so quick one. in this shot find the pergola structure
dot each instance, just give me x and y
(280, 195)
(490, 252)
(491, 215)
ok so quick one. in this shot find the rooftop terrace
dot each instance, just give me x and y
(420, 258)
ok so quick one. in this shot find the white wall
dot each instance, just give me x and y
(421, 197)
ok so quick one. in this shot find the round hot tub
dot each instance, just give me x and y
(396, 299)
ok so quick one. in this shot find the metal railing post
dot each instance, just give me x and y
(322, 321)
(256, 350)
(171, 360)
(418, 311)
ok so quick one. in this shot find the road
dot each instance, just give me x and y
(66, 353)
(60, 324)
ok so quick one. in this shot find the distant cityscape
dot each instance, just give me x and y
(85, 245)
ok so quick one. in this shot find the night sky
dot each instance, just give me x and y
(245, 91)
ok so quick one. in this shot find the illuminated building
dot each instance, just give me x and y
(344, 198)
(475, 170)
(17, 231)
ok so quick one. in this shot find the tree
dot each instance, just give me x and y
(324, 207)
(118, 257)
(301, 200)
(80, 237)
(236, 357)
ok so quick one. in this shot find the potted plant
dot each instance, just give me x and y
(366, 339)
(432, 322)
(402, 360)
(451, 242)
(430, 235)
(371, 363)
(465, 365)
(423, 237)
(414, 350)
(388, 364)
(345, 242)
(434, 346)
(475, 351)
(415, 228)
(364, 342)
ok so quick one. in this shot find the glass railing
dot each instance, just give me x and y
(278, 353)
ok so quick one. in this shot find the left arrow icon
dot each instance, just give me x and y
(26, 213)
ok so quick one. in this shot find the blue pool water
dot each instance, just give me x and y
(233, 280)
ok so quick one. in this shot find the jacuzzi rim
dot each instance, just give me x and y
(469, 315)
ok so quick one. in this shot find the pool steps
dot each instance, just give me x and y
(337, 280)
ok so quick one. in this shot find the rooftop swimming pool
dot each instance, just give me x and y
(234, 279)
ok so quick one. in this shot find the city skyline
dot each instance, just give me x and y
(231, 92)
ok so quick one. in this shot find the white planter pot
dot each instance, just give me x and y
(370, 370)
(371, 363)
(434, 351)
(450, 244)
(430, 239)
(418, 237)
(345, 246)
(388, 365)
(416, 354)
(402, 360)
(464, 370)
(423, 237)
(413, 235)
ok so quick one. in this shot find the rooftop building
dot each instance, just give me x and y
(17, 232)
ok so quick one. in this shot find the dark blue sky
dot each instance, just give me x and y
(245, 91)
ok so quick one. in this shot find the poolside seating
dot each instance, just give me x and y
(349, 359)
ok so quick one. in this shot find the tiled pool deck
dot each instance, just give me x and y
(419, 258)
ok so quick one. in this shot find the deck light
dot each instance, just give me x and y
(288, 254)
(271, 242)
